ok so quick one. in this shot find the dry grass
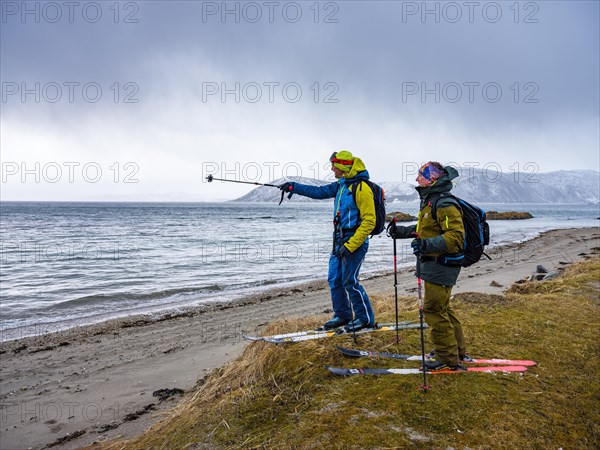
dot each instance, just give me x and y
(282, 397)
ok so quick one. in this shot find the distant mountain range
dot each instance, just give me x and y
(563, 186)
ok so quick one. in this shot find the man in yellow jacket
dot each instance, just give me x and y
(354, 219)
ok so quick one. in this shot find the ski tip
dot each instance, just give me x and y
(343, 371)
(279, 341)
(502, 362)
(347, 351)
(482, 369)
(336, 370)
(265, 339)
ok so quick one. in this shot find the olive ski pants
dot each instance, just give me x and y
(446, 330)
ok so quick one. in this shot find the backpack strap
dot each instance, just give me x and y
(443, 200)
(353, 191)
(446, 199)
(354, 186)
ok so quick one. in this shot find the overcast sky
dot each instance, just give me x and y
(141, 100)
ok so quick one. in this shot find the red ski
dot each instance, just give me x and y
(494, 361)
(481, 369)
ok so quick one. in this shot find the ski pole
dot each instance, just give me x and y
(353, 328)
(210, 178)
(424, 387)
(396, 286)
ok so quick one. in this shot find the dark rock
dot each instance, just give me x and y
(163, 394)
(66, 438)
(508, 215)
(138, 413)
(108, 426)
(20, 349)
(400, 217)
(541, 269)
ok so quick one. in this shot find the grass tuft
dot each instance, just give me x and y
(282, 397)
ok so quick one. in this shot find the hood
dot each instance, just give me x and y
(358, 171)
(452, 172)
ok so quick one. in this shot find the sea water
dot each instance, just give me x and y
(78, 263)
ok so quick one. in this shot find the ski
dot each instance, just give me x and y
(295, 334)
(481, 369)
(494, 361)
(301, 336)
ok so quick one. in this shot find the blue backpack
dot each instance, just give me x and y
(477, 232)
(379, 198)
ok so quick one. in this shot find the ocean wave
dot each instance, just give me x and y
(120, 297)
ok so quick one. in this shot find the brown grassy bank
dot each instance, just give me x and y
(282, 397)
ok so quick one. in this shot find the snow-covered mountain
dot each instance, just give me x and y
(399, 192)
(570, 186)
(563, 186)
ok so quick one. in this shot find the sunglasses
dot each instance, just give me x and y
(424, 176)
(344, 162)
(430, 172)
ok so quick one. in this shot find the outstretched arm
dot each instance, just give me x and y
(317, 192)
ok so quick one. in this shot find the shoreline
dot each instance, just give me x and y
(145, 319)
(102, 381)
(46, 330)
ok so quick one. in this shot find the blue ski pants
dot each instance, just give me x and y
(345, 288)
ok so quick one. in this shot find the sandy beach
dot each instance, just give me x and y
(115, 379)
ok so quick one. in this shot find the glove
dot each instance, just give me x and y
(286, 187)
(419, 246)
(343, 252)
(398, 231)
(391, 229)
